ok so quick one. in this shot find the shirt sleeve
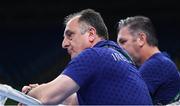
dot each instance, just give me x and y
(83, 68)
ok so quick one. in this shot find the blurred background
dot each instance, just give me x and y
(31, 33)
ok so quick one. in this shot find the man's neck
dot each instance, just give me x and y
(98, 39)
(149, 51)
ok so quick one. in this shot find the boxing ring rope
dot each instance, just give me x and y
(7, 91)
(177, 103)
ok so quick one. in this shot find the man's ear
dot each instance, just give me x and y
(92, 34)
(141, 39)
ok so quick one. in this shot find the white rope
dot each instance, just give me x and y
(177, 103)
(7, 91)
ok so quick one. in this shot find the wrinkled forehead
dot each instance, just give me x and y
(71, 25)
(73, 20)
(125, 34)
(122, 32)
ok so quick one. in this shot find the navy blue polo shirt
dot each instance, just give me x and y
(162, 78)
(106, 76)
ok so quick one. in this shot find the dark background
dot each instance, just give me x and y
(31, 33)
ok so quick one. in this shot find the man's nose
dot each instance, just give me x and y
(65, 43)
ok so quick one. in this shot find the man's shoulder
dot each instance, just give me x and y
(159, 58)
(88, 54)
(96, 51)
(159, 62)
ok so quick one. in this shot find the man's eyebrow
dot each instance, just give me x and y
(68, 32)
(120, 39)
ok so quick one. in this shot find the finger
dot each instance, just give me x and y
(20, 104)
(26, 89)
(33, 85)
